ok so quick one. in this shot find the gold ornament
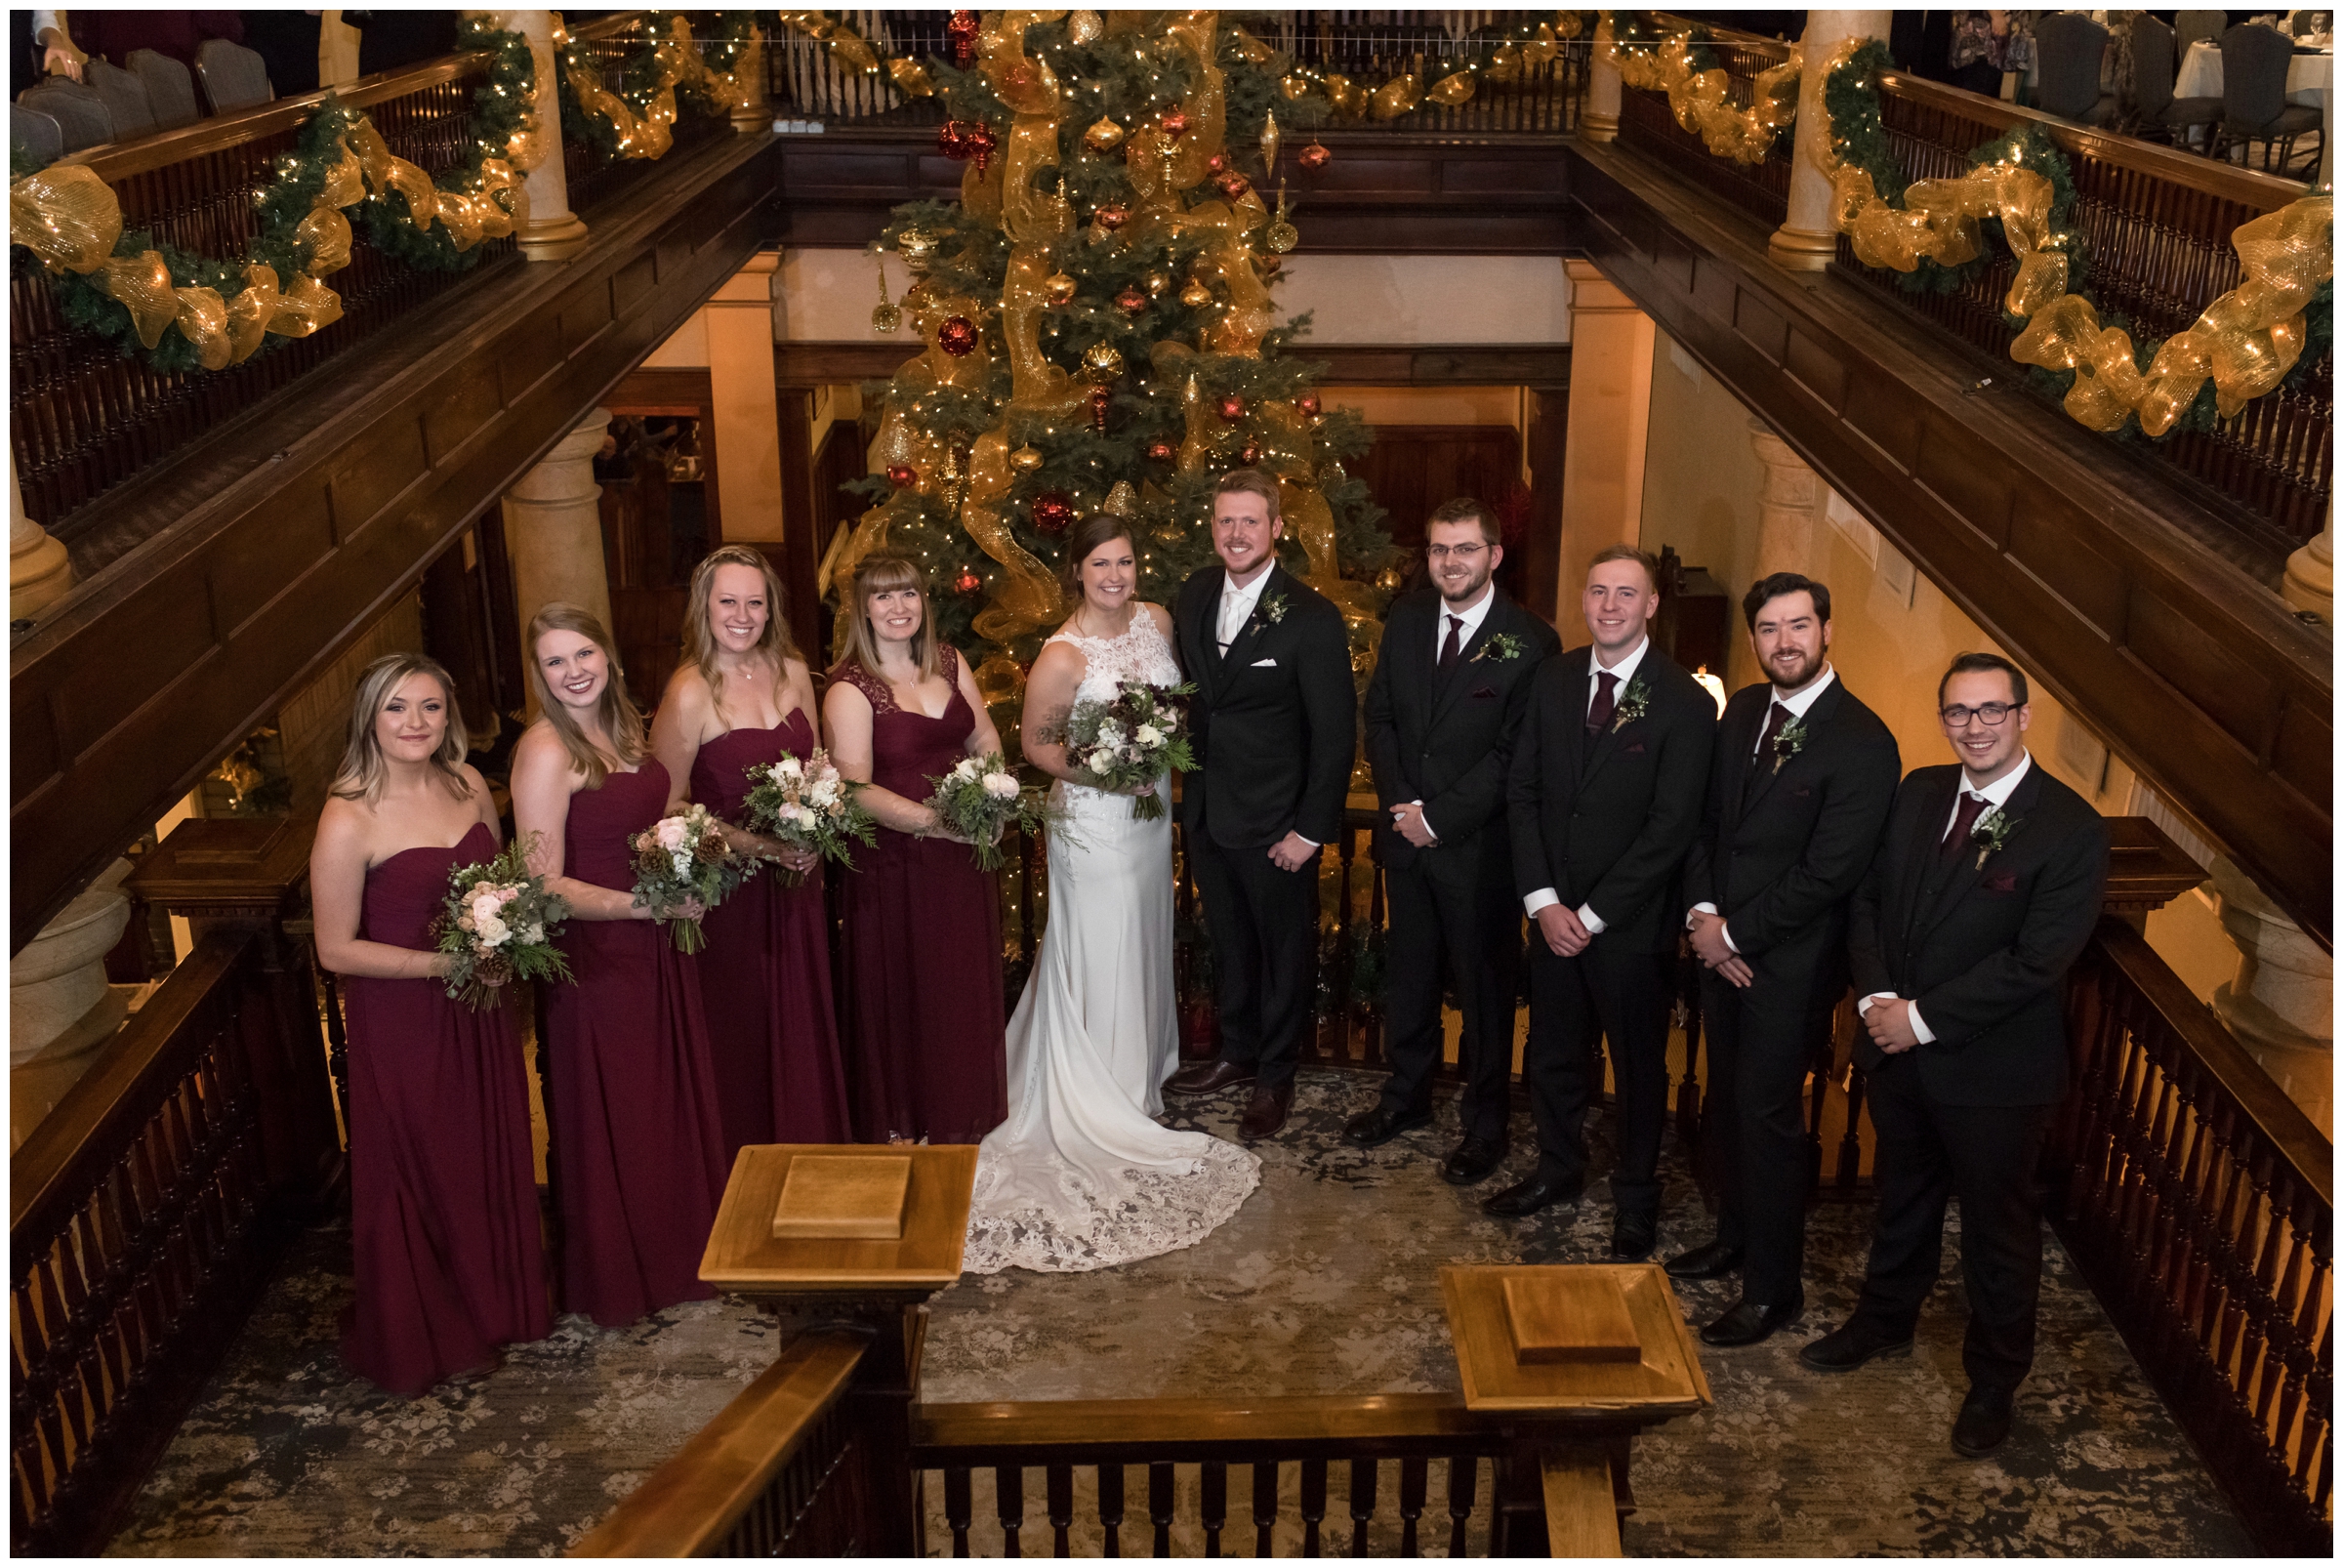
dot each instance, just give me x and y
(1268, 143)
(1025, 459)
(1102, 364)
(1121, 501)
(1389, 580)
(1084, 28)
(1195, 296)
(1103, 135)
(917, 247)
(1058, 288)
(1157, 282)
(1280, 235)
(884, 317)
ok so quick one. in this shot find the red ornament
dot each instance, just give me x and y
(1314, 157)
(1101, 397)
(1111, 218)
(981, 142)
(1232, 408)
(952, 140)
(961, 31)
(1250, 456)
(1132, 301)
(967, 582)
(1052, 513)
(902, 475)
(1218, 163)
(1307, 402)
(1176, 123)
(1162, 451)
(1234, 184)
(957, 336)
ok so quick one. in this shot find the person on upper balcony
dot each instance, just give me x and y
(115, 34)
(40, 45)
(1986, 45)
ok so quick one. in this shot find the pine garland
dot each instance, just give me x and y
(638, 77)
(499, 107)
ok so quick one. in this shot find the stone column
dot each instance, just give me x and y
(1805, 242)
(2281, 1005)
(554, 530)
(757, 114)
(59, 1007)
(38, 570)
(553, 233)
(1786, 505)
(2310, 581)
(747, 419)
(1598, 121)
(1610, 346)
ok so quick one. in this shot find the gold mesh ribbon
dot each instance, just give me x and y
(1156, 178)
(66, 216)
(1039, 388)
(142, 285)
(1701, 101)
(648, 133)
(1028, 597)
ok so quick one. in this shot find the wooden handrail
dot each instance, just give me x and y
(688, 1505)
(1189, 1430)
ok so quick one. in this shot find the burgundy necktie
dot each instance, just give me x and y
(1449, 648)
(1972, 806)
(1599, 712)
(1775, 717)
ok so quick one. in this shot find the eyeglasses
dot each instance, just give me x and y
(1460, 551)
(1957, 716)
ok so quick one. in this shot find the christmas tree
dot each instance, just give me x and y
(1099, 332)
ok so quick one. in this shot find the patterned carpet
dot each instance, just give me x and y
(1326, 1282)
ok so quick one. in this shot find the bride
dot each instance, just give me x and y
(1081, 1177)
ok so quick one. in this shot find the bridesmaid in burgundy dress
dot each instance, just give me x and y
(637, 1149)
(923, 924)
(443, 1189)
(741, 698)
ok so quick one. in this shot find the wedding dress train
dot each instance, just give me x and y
(1080, 1176)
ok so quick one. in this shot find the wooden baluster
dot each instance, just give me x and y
(1850, 1143)
(1058, 1479)
(1415, 1475)
(1264, 1507)
(1362, 1503)
(1313, 1503)
(1009, 1504)
(1463, 1476)
(1215, 1503)
(960, 1507)
(337, 1046)
(1159, 1504)
(1110, 1508)
(1346, 965)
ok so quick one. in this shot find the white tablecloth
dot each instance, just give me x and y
(2309, 77)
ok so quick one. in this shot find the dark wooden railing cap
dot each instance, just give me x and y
(2144, 869)
(225, 866)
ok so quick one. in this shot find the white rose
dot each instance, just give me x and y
(1110, 734)
(824, 792)
(673, 832)
(789, 767)
(1102, 758)
(797, 816)
(964, 768)
(1148, 735)
(1001, 786)
(493, 932)
(485, 905)
(532, 935)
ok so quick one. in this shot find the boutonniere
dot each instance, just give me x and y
(1789, 741)
(1503, 648)
(1272, 608)
(1991, 833)
(1632, 704)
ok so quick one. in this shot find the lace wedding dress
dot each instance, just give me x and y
(1081, 1177)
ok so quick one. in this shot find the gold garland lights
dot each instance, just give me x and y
(649, 131)
(1701, 99)
(2245, 342)
(70, 219)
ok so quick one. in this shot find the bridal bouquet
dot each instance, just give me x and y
(1130, 741)
(686, 857)
(980, 798)
(808, 806)
(499, 921)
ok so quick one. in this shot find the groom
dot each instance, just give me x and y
(1275, 721)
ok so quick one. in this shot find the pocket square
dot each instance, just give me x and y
(1635, 750)
(2000, 882)
(1800, 794)
(1264, 663)
(1483, 694)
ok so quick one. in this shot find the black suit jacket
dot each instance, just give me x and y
(1275, 722)
(1782, 848)
(1981, 945)
(1447, 740)
(1607, 821)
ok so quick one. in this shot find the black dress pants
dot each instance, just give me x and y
(1453, 914)
(1605, 993)
(1984, 1155)
(1762, 1039)
(1263, 926)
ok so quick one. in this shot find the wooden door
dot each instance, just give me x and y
(1413, 468)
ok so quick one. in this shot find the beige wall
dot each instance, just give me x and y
(731, 335)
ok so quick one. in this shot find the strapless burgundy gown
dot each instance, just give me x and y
(443, 1189)
(922, 948)
(764, 975)
(639, 1150)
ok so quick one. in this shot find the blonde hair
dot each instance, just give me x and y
(620, 721)
(876, 574)
(699, 630)
(364, 771)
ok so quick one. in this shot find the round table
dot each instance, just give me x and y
(2309, 77)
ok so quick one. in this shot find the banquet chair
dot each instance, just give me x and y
(2069, 49)
(2151, 72)
(169, 87)
(2194, 27)
(82, 118)
(125, 98)
(233, 77)
(2253, 94)
(36, 134)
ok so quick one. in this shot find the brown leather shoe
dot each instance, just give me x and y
(1209, 1077)
(1267, 1112)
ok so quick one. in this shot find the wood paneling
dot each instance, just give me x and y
(165, 655)
(1546, 368)
(2134, 602)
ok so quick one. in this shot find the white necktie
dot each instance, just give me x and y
(1232, 618)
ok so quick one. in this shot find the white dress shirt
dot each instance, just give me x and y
(1797, 707)
(1625, 669)
(1237, 604)
(1994, 796)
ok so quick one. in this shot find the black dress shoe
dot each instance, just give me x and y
(1748, 1322)
(1525, 1198)
(1267, 1111)
(1210, 1078)
(1713, 1261)
(1634, 1236)
(1983, 1423)
(1382, 1125)
(1850, 1346)
(1472, 1161)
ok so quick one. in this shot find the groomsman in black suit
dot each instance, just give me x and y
(1275, 722)
(1983, 895)
(1451, 684)
(1607, 787)
(1802, 783)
